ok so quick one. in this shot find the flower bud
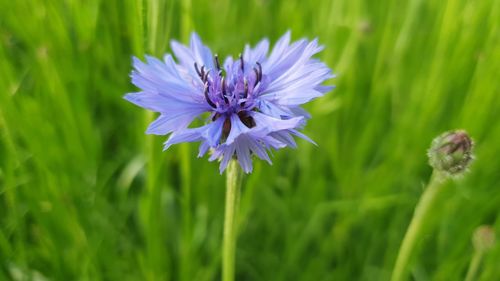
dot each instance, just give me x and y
(483, 238)
(451, 152)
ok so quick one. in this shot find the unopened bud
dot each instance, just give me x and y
(483, 238)
(451, 152)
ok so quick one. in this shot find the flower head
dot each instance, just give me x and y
(451, 152)
(253, 101)
(483, 238)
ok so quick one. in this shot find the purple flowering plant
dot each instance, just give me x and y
(254, 101)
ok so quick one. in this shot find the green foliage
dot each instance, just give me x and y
(85, 195)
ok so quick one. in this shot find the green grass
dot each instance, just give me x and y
(85, 195)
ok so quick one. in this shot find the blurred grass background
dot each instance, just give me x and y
(85, 195)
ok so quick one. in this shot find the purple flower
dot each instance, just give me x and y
(253, 101)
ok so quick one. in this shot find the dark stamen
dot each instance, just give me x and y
(205, 77)
(260, 71)
(217, 64)
(245, 91)
(245, 85)
(216, 115)
(256, 77)
(205, 92)
(198, 70)
(246, 119)
(226, 129)
(242, 64)
(223, 81)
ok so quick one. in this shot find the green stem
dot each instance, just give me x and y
(474, 265)
(186, 211)
(233, 191)
(413, 232)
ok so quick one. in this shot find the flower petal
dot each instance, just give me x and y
(279, 49)
(188, 135)
(284, 137)
(227, 152)
(266, 124)
(237, 128)
(158, 76)
(243, 154)
(257, 54)
(209, 134)
(164, 103)
(301, 135)
(197, 52)
(168, 123)
(296, 78)
(201, 53)
(259, 150)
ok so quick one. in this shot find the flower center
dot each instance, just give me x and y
(231, 90)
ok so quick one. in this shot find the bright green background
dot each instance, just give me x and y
(85, 195)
